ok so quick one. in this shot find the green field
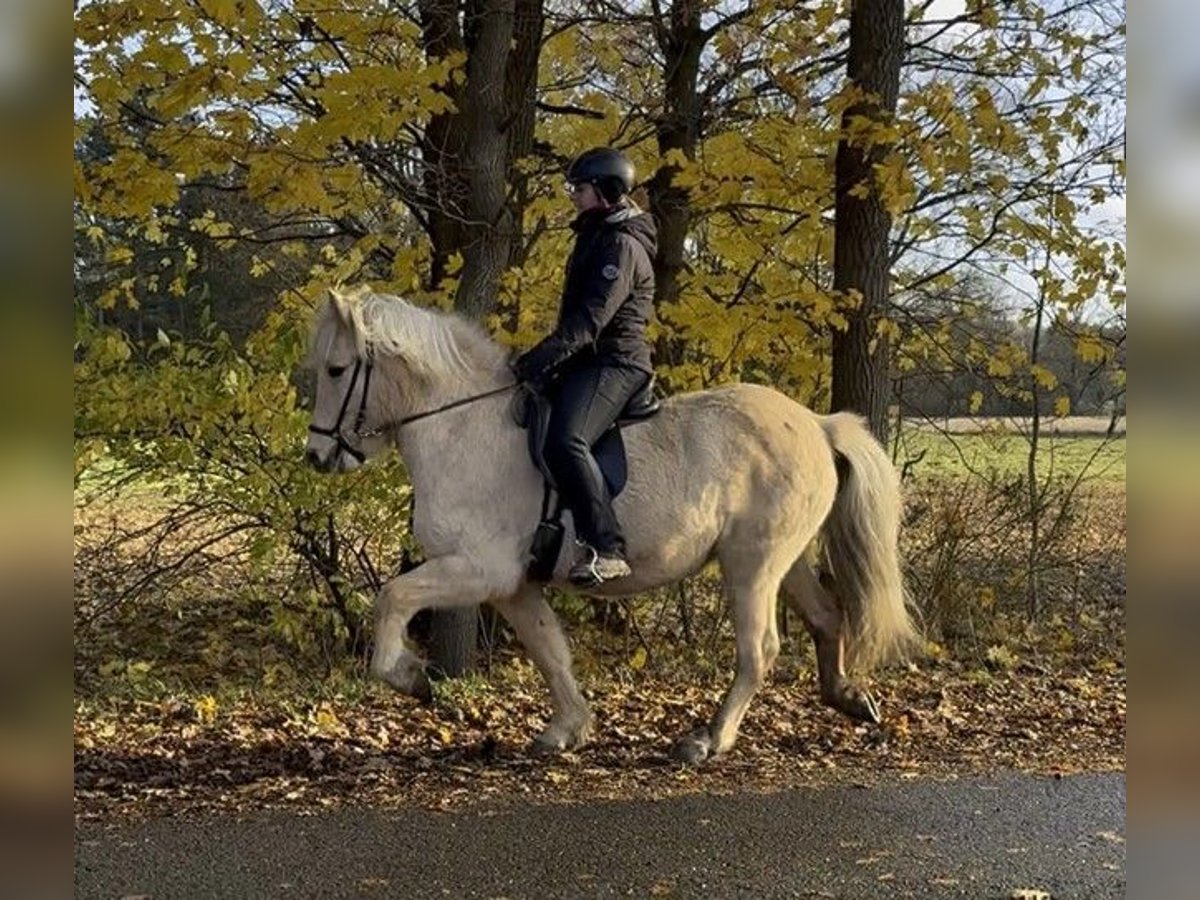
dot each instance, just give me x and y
(932, 455)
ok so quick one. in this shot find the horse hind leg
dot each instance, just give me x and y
(753, 604)
(815, 601)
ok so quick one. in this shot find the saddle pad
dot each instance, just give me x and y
(610, 456)
(532, 410)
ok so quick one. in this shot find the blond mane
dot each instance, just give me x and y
(440, 345)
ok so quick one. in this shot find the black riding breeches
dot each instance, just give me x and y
(585, 403)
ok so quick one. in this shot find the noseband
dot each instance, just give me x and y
(340, 438)
(336, 431)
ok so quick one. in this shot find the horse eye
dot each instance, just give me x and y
(336, 371)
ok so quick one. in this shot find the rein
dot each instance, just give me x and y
(346, 447)
(454, 404)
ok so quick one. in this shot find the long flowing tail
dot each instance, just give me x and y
(861, 539)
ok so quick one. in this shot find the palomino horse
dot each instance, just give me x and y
(740, 474)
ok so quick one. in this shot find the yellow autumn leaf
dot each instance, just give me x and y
(119, 256)
(1002, 658)
(1043, 376)
(638, 659)
(205, 709)
(325, 718)
(224, 12)
(1090, 349)
(1062, 406)
(998, 368)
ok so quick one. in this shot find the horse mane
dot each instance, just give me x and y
(441, 345)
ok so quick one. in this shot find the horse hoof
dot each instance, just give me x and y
(543, 746)
(860, 705)
(409, 680)
(560, 740)
(693, 748)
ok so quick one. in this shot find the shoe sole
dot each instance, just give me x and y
(590, 581)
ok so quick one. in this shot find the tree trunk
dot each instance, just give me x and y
(453, 641)
(863, 223)
(488, 232)
(520, 94)
(445, 191)
(470, 156)
(1032, 584)
(682, 41)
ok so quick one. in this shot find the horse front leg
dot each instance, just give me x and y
(538, 629)
(823, 619)
(440, 582)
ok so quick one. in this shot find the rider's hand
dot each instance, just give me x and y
(526, 369)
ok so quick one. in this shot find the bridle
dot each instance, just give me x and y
(336, 431)
(366, 367)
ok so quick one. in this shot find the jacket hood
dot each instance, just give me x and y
(639, 225)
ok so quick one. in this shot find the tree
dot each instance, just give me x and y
(370, 123)
(861, 261)
(471, 157)
(1011, 118)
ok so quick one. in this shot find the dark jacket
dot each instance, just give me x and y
(607, 299)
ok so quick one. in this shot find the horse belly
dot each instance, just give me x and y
(671, 526)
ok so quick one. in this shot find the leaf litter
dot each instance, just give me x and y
(157, 757)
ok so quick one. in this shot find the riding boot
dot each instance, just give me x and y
(592, 567)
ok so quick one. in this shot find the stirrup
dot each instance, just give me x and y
(588, 574)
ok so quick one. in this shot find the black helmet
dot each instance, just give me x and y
(609, 170)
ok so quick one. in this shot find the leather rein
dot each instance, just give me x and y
(365, 368)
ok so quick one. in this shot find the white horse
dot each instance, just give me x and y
(740, 474)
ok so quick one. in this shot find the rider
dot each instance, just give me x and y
(597, 358)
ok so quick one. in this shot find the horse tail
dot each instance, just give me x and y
(861, 539)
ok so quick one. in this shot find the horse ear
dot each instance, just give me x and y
(339, 301)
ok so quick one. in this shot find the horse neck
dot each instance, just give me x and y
(456, 440)
(402, 394)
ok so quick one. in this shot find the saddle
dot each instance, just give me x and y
(531, 410)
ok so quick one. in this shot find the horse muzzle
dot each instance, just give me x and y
(319, 462)
(335, 463)
(329, 451)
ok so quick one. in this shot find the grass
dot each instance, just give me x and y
(933, 455)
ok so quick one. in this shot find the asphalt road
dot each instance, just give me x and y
(967, 838)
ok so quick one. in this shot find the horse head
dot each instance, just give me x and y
(378, 359)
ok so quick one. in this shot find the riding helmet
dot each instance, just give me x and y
(609, 170)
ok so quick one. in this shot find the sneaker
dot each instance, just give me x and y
(592, 567)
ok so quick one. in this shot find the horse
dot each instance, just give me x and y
(740, 474)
